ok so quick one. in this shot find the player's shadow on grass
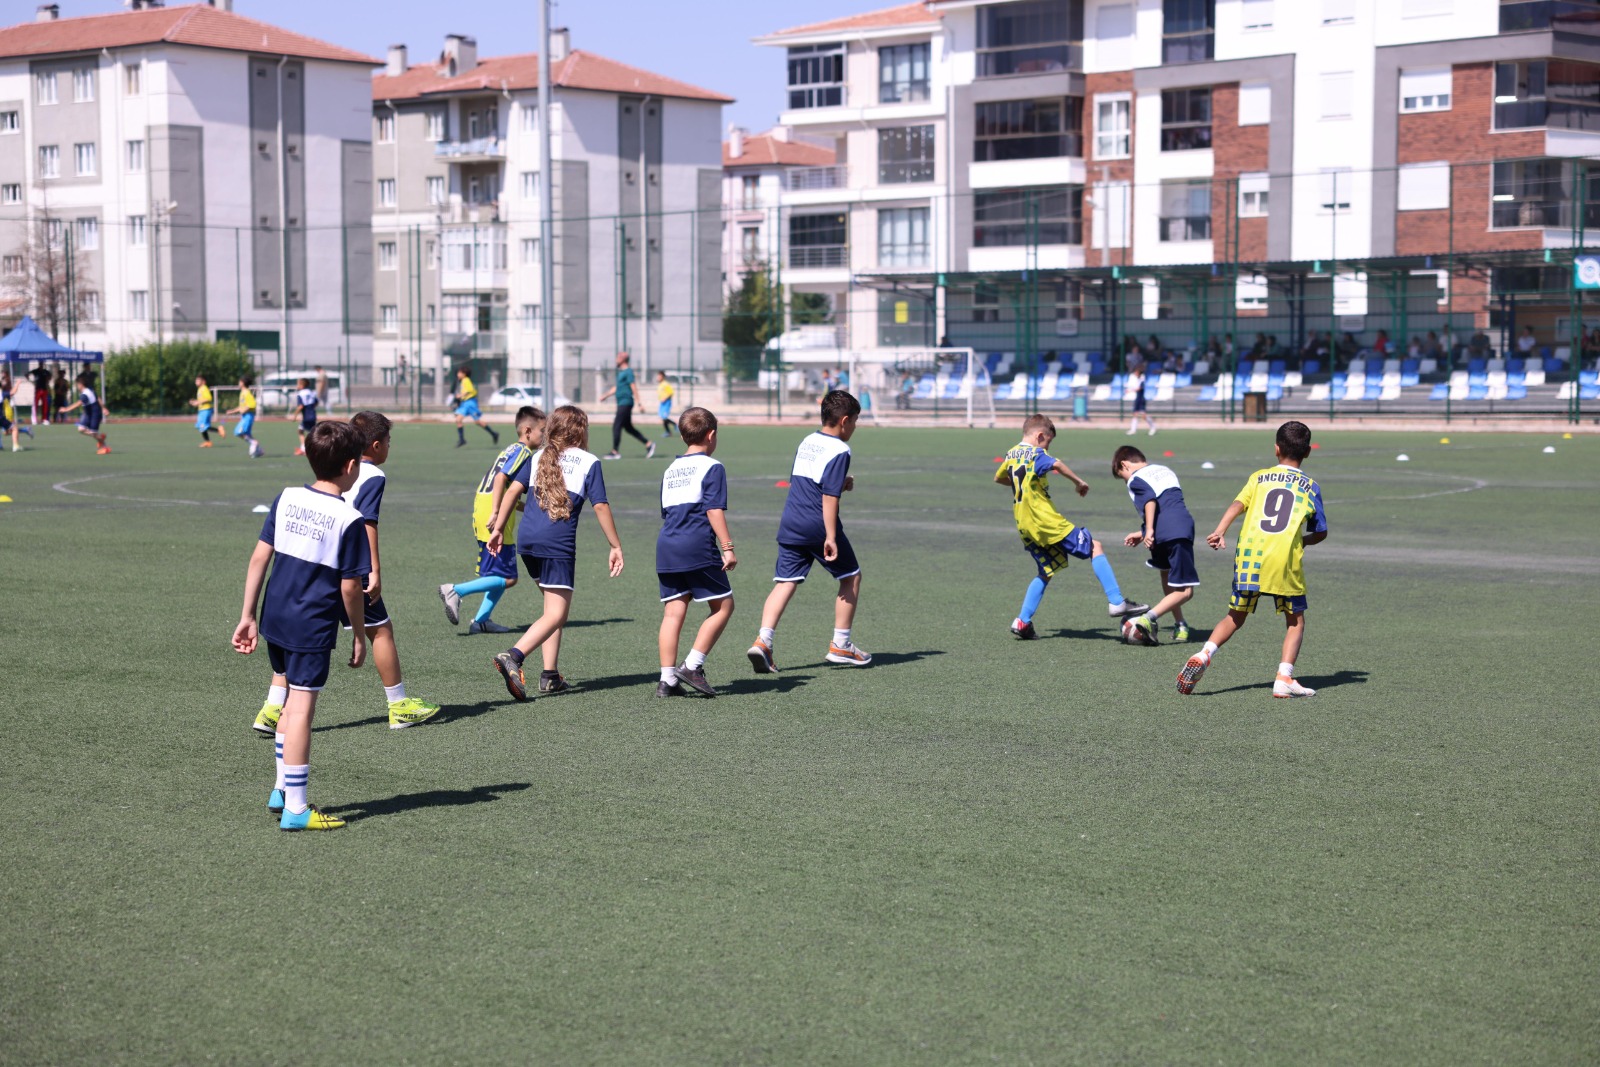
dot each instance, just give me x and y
(449, 713)
(433, 798)
(1087, 635)
(1326, 681)
(572, 624)
(879, 659)
(783, 683)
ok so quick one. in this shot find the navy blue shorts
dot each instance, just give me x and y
(1052, 558)
(89, 420)
(1177, 559)
(794, 561)
(374, 612)
(308, 423)
(304, 670)
(551, 573)
(502, 564)
(707, 583)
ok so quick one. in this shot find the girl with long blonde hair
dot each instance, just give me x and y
(563, 475)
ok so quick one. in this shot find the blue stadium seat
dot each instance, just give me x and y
(1516, 391)
(1588, 377)
(1589, 392)
(925, 387)
(1477, 378)
(991, 362)
(1183, 381)
(1553, 366)
(1311, 366)
(1515, 378)
(1278, 367)
(1337, 391)
(1477, 365)
(1516, 365)
(1274, 392)
(952, 389)
(1374, 389)
(1477, 392)
(1441, 391)
(1411, 372)
(1003, 392)
(1245, 369)
(1208, 393)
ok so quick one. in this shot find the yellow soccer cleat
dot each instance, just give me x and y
(310, 819)
(410, 712)
(267, 719)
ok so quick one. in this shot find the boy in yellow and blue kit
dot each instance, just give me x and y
(1282, 509)
(1047, 535)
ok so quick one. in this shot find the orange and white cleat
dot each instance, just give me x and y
(1192, 671)
(849, 656)
(1284, 687)
(102, 451)
(760, 654)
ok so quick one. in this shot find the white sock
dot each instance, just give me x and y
(277, 694)
(669, 675)
(294, 787)
(695, 659)
(394, 692)
(1286, 670)
(1152, 615)
(1134, 425)
(768, 633)
(277, 744)
(841, 638)
(1210, 649)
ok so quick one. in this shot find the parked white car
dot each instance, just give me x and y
(511, 397)
(276, 391)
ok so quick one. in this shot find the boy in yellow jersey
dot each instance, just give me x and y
(664, 394)
(466, 399)
(1282, 509)
(1049, 538)
(204, 409)
(247, 415)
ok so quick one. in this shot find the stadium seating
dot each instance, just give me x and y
(1411, 372)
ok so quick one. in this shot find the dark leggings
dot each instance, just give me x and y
(624, 421)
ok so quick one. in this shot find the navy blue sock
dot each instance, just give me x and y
(516, 655)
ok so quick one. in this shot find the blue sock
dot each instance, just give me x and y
(480, 585)
(1108, 581)
(490, 599)
(1030, 602)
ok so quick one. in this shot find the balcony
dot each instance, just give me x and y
(813, 179)
(478, 150)
(1186, 228)
(1547, 114)
(1582, 16)
(475, 258)
(1549, 213)
(818, 257)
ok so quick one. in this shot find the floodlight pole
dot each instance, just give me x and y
(546, 215)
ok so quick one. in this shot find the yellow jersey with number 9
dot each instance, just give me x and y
(1281, 505)
(1028, 467)
(507, 462)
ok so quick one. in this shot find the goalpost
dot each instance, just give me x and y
(958, 382)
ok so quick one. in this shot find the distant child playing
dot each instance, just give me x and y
(694, 554)
(466, 398)
(810, 530)
(93, 413)
(563, 475)
(664, 395)
(1282, 509)
(1167, 530)
(317, 547)
(205, 410)
(247, 416)
(1137, 386)
(8, 412)
(305, 406)
(1047, 535)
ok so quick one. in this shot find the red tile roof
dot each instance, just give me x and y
(916, 14)
(765, 150)
(580, 70)
(199, 25)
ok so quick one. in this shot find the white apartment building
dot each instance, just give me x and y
(456, 232)
(200, 165)
(757, 169)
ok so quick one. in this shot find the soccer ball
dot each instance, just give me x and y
(1133, 635)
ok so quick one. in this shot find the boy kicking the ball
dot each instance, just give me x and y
(1168, 532)
(1282, 509)
(1047, 535)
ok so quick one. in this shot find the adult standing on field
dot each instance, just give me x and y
(40, 411)
(626, 391)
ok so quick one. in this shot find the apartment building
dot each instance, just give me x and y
(1062, 136)
(757, 169)
(195, 167)
(456, 232)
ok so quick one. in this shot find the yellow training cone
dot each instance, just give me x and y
(1444, 440)
(1566, 437)
(4, 499)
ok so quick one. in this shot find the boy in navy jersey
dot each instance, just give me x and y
(1167, 530)
(305, 402)
(89, 421)
(810, 531)
(317, 547)
(562, 476)
(694, 553)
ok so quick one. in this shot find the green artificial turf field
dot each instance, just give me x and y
(977, 850)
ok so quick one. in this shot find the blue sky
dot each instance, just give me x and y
(704, 42)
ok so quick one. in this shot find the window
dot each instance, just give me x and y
(905, 154)
(750, 243)
(530, 185)
(985, 303)
(530, 118)
(53, 229)
(435, 186)
(903, 237)
(388, 255)
(1338, 12)
(817, 240)
(472, 125)
(135, 157)
(1185, 119)
(10, 122)
(386, 192)
(1255, 104)
(530, 316)
(1424, 186)
(749, 191)
(1336, 91)
(1250, 292)
(44, 87)
(389, 318)
(1256, 15)
(1050, 215)
(1029, 129)
(475, 248)
(1425, 90)
(530, 251)
(816, 76)
(91, 306)
(86, 233)
(1253, 190)
(903, 73)
(904, 319)
(386, 128)
(12, 266)
(1546, 93)
(132, 79)
(1188, 30)
(1185, 211)
(1416, 9)
(431, 316)
(83, 85)
(1113, 127)
(83, 156)
(49, 161)
(435, 125)
(1516, 17)
(1540, 192)
(139, 305)
(1031, 37)
(11, 193)
(136, 231)
(1333, 190)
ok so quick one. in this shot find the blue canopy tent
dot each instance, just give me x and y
(27, 343)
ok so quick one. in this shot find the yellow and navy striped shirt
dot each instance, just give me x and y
(1038, 521)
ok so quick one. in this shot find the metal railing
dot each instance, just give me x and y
(1186, 228)
(804, 179)
(492, 147)
(1581, 15)
(802, 257)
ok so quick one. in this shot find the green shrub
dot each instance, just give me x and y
(160, 378)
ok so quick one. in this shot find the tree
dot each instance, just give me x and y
(44, 278)
(753, 314)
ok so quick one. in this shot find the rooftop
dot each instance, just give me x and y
(580, 70)
(765, 150)
(196, 25)
(905, 15)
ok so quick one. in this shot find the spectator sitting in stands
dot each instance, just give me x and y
(1479, 345)
(1414, 350)
(1347, 348)
(1274, 349)
(1152, 350)
(1526, 341)
(1382, 346)
(1259, 349)
(1432, 347)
